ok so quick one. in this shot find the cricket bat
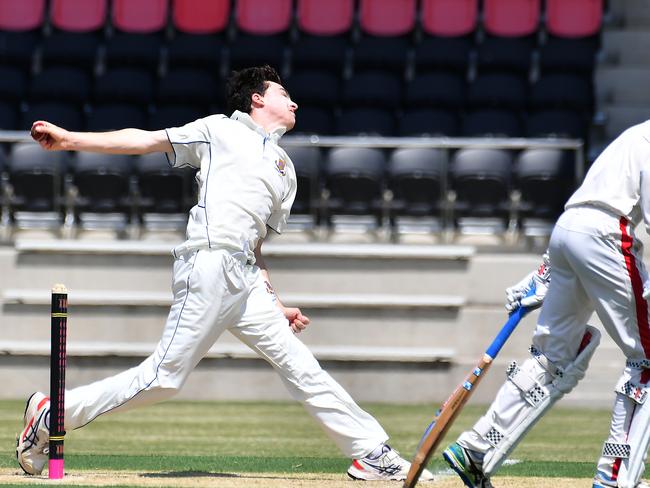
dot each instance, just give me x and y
(449, 410)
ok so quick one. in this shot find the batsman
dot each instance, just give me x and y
(595, 266)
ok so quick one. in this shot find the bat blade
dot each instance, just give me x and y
(443, 420)
(449, 410)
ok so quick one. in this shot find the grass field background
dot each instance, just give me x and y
(277, 437)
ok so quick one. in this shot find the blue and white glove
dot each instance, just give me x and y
(537, 280)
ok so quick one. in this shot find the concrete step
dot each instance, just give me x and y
(402, 270)
(626, 47)
(623, 84)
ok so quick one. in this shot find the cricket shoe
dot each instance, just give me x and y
(599, 483)
(32, 444)
(387, 465)
(460, 461)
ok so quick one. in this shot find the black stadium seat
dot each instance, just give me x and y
(355, 180)
(305, 212)
(417, 178)
(104, 197)
(481, 179)
(429, 122)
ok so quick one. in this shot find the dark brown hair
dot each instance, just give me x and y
(242, 84)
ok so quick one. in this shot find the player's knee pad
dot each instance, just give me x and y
(631, 446)
(533, 388)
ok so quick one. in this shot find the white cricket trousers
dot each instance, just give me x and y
(215, 290)
(596, 265)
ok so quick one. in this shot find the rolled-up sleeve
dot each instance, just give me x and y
(190, 144)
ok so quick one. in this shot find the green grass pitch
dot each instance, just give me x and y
(280, 437)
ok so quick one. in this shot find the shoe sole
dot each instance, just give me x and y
(454, 464)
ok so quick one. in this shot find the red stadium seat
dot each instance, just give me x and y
(329, 18)
(387, 17)
(21, 15)
(574, 18)
(142, 17)
(199, 16)
(511, 18)
(78, 15)
(264, 17)
(449, 18)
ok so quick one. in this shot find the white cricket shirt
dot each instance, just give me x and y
(619, 179)
(246, 181)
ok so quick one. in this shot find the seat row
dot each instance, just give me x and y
(568, 18)
(320, 34)
(427, 187)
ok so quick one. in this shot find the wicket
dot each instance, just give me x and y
(57, 379)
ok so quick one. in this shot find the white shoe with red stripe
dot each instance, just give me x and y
(387, 465)
(32, 445)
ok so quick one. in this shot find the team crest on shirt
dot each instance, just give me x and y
(281, 165)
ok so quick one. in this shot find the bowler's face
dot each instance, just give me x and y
(278, 102)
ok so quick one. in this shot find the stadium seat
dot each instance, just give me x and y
(574, 18)
(324, 30)
(491, 123)
(481, 180)
(305, 211)
(114, 116)
(263, 27)
(545, 179)
(13, 83)
(417, 179)
(386, 27)
(9, 116)
(200, 17)
(165, 194)
(505, 54)
(315, 120)
(498, 90)
(448, 27)
(562, 55)
(36, 180)
(142, 17)
(318, 88)
(174, 115)
(68, 115)
(125, 85)
(449, 18)
(104, 190)
(23, 15)
(199, 39)
(556, 123)
(366, 121)
(374, 89)
(139, 28)
(428, 122)
(76, 32)
(203, 88)
(355, 180)
(78, 15)
(511, 18)
(331, 18)
(62, 84)
(437, 90)
(387, 17)
(263, 17)
(251, 50)
(20, 29)
(565, 91)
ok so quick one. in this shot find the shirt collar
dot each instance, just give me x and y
(248, 121)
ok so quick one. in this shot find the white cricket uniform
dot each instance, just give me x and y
(246, 183)
(596, 265)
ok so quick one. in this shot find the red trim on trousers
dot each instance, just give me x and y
(637, 287)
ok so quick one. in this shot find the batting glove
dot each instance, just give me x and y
(538, 281)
